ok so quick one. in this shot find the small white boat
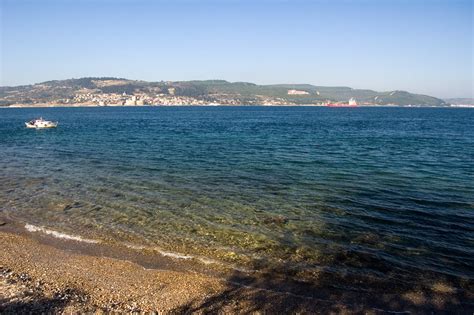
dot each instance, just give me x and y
(41, 123)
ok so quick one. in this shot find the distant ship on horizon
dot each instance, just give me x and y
(352, 103)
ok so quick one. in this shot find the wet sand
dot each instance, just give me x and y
(39, 277)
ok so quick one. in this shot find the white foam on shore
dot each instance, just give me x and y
(173, 255)
(34, 228)
(206, 261)
(135, 247)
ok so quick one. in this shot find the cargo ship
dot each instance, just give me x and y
(352, 103)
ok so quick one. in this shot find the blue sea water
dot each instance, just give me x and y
(362, 191)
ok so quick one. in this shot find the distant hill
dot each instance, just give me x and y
(460, 101)
(216, 91)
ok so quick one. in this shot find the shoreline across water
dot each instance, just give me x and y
(39, 277)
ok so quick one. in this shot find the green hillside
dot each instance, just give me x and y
(245, 92)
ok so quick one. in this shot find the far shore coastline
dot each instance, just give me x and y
(46, 105)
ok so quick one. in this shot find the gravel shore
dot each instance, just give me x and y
(39, 278)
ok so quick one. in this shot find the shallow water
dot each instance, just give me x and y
(356, 191)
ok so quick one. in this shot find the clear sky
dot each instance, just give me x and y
(420, 46)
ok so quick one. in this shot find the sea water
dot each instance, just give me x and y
(373, 192)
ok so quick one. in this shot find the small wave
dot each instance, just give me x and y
(173, 255)
(206, 261)
(162, 252)
(34, 228)
(135, 247)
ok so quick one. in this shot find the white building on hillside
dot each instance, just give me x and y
(297, 92)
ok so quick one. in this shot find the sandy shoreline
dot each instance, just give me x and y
(36, 277)
(108, 284)
(40, 277)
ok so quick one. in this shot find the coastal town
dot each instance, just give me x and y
(165, 99)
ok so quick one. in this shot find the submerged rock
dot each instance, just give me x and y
(276, 220)
(70, 205)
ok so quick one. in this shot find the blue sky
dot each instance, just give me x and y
(419, 46)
